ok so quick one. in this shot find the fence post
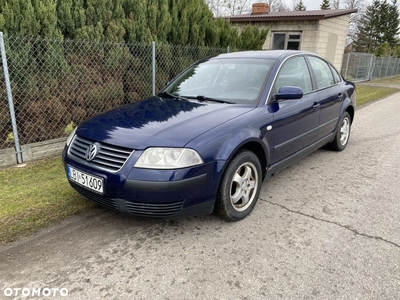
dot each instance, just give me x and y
(387, 69)
(18, 150)
(359, 61)
(371, 67)
(380, 69)
(398, 65)
(393, 67)
(153, 46)
(347, 65)
(228, 49)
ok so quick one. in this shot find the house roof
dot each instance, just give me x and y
(291, 15)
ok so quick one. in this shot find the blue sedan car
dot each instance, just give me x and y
(207, 141)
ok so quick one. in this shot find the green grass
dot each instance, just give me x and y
(367, 94)
(37, 195)
(34, 196)
(392, 80)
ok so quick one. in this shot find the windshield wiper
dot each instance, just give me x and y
(170, 95)
(205, 98)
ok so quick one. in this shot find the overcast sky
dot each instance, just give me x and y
(311, 4)
(316, 4)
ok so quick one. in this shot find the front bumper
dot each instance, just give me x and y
(146, 185)
(172, 210)
(155, 193)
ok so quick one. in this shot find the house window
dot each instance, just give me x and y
(288, 40)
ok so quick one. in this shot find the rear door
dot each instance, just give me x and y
(295, 121)
(328, 83)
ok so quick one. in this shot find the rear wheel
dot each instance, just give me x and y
(240, 187)
(342, 134)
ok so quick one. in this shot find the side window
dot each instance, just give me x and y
(322, 72)
(336, 75)
(286, 40)
(279, 41)
(294, 72)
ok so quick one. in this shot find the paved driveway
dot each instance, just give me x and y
(326, 228)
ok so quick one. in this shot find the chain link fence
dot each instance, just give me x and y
(363, 66)
(56, 84)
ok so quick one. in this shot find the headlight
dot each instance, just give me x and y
(168, 158)
(71, 136)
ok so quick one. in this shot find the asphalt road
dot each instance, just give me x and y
(326, 228)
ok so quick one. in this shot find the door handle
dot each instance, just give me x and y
(316, 106)
(340, 96)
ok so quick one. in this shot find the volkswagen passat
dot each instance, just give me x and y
(207, 141)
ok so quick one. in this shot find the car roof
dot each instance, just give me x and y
(271, 54)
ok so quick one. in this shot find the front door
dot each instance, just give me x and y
(295, 123)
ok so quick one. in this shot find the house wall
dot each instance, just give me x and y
(307, 29)
(332, 39)
(325, 37)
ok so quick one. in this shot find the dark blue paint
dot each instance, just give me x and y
(158, 120)
(281, 128)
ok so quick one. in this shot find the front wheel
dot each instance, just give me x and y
(240, 187)
(342, 134)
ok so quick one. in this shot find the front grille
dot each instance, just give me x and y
(134, 208)
(110, 158)
(153, 210)
(103, 201)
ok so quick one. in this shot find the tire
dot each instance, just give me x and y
(342, 134)
(240, 187)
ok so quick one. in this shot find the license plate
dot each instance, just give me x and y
(88, 181)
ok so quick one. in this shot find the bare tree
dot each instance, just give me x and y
(277, 5)
(229, 7)
(350, 4)
(354, 18)
(237, 7)
(293, 5)
(336, 4)
(216, 6)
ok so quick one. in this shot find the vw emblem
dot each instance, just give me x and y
(91, 151)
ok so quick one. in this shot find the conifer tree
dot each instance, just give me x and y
(396, 51)
(300, 6)
(70, 17)
(20, 18)
(251, 38)
(190, 19)
(46, 16)
(164, 21)
(136, 23)
(325, 5)
(368, 34)
(222, 34)
(383, 50)
(389, 22)
(379, 24)
(179, 22)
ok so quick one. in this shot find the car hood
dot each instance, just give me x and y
(158, 122)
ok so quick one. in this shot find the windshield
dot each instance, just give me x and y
(235, 80)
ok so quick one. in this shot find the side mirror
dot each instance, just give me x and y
(289, 93)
